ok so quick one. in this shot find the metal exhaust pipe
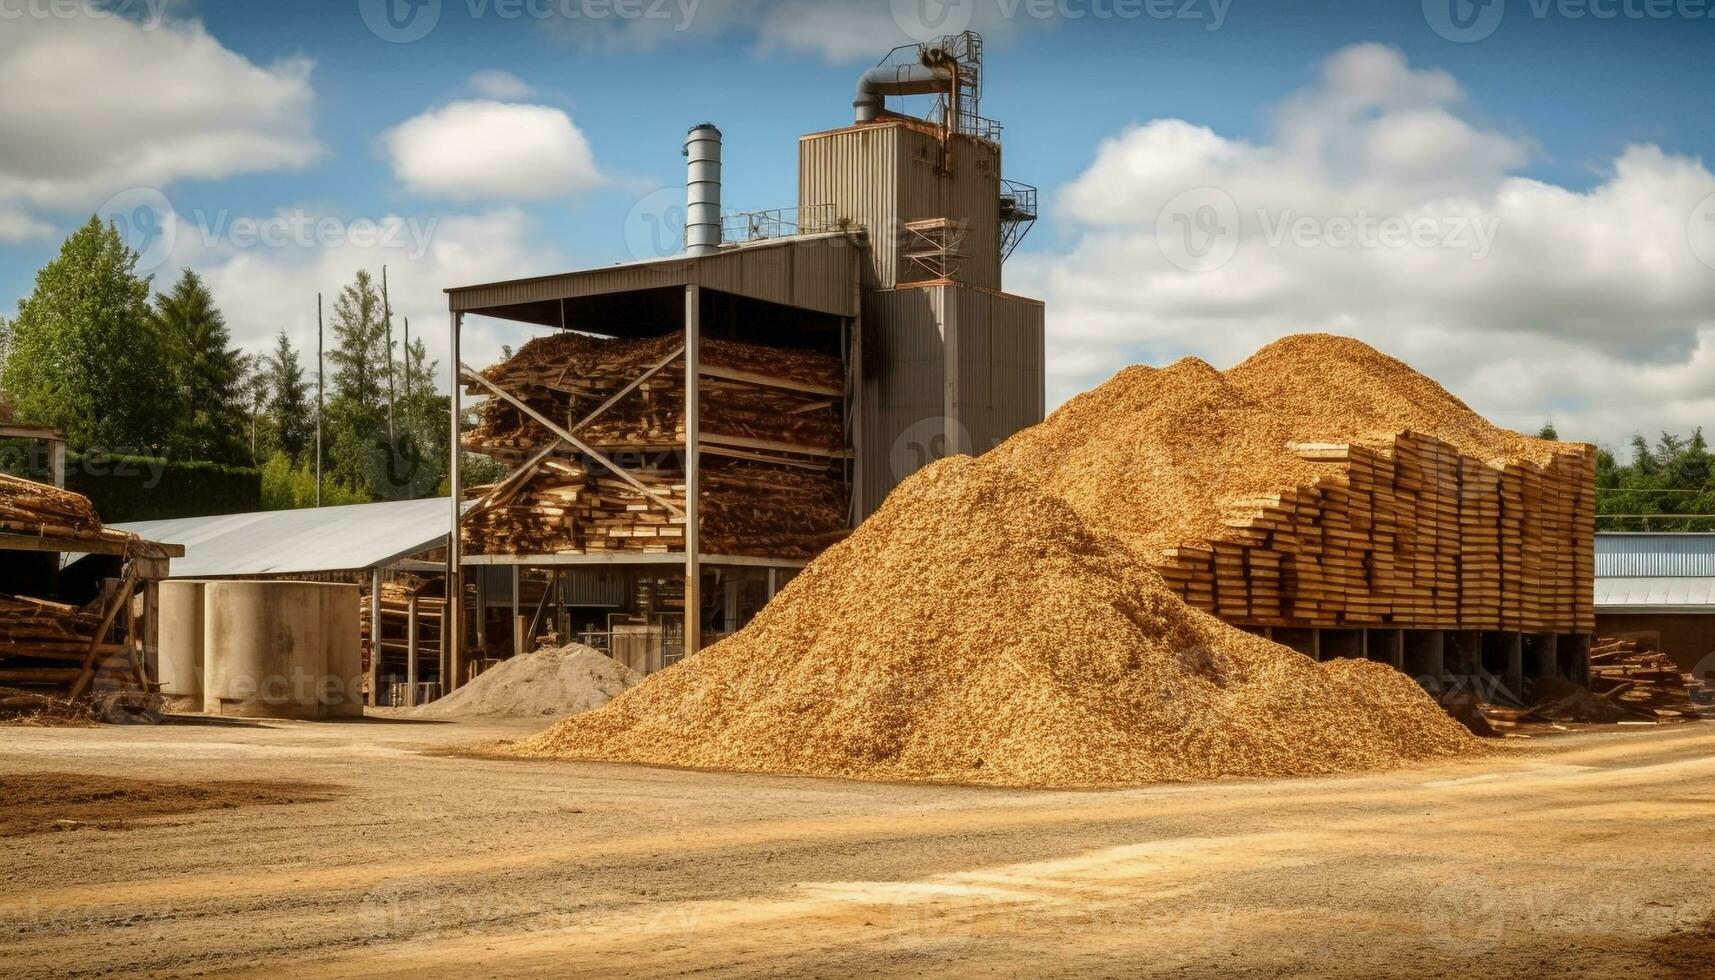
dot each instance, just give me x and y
(703, 190)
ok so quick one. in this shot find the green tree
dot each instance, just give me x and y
(1668, 486)
(83, 353)
(1548, 432)
(208, 373)
(293, 415)
(258, 392)
(357, 411)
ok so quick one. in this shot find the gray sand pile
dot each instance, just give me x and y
(559, 681)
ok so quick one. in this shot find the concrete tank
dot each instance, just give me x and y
(180, 639)
(282, 650)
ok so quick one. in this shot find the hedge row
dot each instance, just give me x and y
(139, 488)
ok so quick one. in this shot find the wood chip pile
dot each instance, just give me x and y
(977, 629)
(772, 432)
(1323, 484)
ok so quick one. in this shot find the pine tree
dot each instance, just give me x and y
(83, 353)
(207, 372)
(293, 415)
(357, 411)
(258, 391)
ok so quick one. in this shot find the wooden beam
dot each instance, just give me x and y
(581, 446)
(13, 541)
(121, 599)
(769, 381)
(411, 653)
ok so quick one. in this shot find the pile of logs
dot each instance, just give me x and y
(1648, 683)
(1409, 533)
(64, 649)
(772, 438)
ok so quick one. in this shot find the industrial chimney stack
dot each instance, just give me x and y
(703, 190)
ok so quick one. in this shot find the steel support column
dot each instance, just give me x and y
(452, 626)
(374, 637)
(693, 544)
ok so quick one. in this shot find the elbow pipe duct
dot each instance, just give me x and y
(884, 80)
(703, 190)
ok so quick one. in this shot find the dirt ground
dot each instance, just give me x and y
(1581, 855)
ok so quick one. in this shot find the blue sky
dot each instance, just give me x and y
(1564, 98)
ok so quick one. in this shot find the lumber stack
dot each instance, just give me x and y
(395, 628)
(773, 437)
(1647, 683)
(1405, 532)
(47, 646)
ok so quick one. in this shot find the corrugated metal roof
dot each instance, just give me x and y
(810, 272)
(1637, 594)
(1641, 555)
(280, 542)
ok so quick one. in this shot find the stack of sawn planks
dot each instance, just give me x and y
(772, 437)
(395, 627)
(1408, 532)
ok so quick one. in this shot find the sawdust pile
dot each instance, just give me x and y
(556, 681)
(1156, 455)
(977, 630)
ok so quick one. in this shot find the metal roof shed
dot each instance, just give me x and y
(352, 538)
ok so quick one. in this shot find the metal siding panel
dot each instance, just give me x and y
(856, 171)
(1000, 365)
(1655, 555)
(904, 388)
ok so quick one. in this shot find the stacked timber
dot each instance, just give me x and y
(1647, 683)
(1322, 484)
(1406, 531)
(48, 646)
(396, 624)
(772, 436)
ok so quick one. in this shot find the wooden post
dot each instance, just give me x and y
(452, 626)
(374, 637)
(1515, 664)
(57, 462)
(693, 437)
(773, 582)
(411, 653)
(517, 613)
(152, 627)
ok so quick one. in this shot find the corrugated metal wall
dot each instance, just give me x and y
(857, 171)
(883, 176)
(1655, 555)
(904, 390)
(998, 364)
(947, 369)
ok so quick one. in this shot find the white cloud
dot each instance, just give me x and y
(263, 289)
(95, 105)
(833, 30)
(502, 85)
(17, 227)
(489, 149)
(1587, 305)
